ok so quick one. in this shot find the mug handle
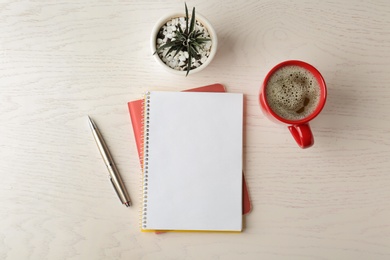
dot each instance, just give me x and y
(302, 135)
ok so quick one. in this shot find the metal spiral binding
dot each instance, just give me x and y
(144, 160)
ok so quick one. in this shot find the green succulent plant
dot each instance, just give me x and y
(190, 40)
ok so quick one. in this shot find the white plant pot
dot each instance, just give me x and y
(201, 20)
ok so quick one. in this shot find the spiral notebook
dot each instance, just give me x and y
(192, 162)
(136, 117)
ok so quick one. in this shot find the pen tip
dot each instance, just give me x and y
(128, 204)
(91, 123)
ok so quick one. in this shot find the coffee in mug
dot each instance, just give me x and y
(294, 93)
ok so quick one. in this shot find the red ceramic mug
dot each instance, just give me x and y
(299, 124)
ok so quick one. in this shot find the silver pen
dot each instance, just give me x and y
(115, 177)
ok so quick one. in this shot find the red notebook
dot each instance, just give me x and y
(135, 109)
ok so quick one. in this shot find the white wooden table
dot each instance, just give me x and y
(61, 61)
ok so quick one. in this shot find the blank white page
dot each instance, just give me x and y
(193, 161)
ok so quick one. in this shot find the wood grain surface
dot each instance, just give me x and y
(63, 60)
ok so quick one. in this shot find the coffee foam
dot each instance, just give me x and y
(293, 92)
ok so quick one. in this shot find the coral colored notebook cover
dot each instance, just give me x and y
(136, 112)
